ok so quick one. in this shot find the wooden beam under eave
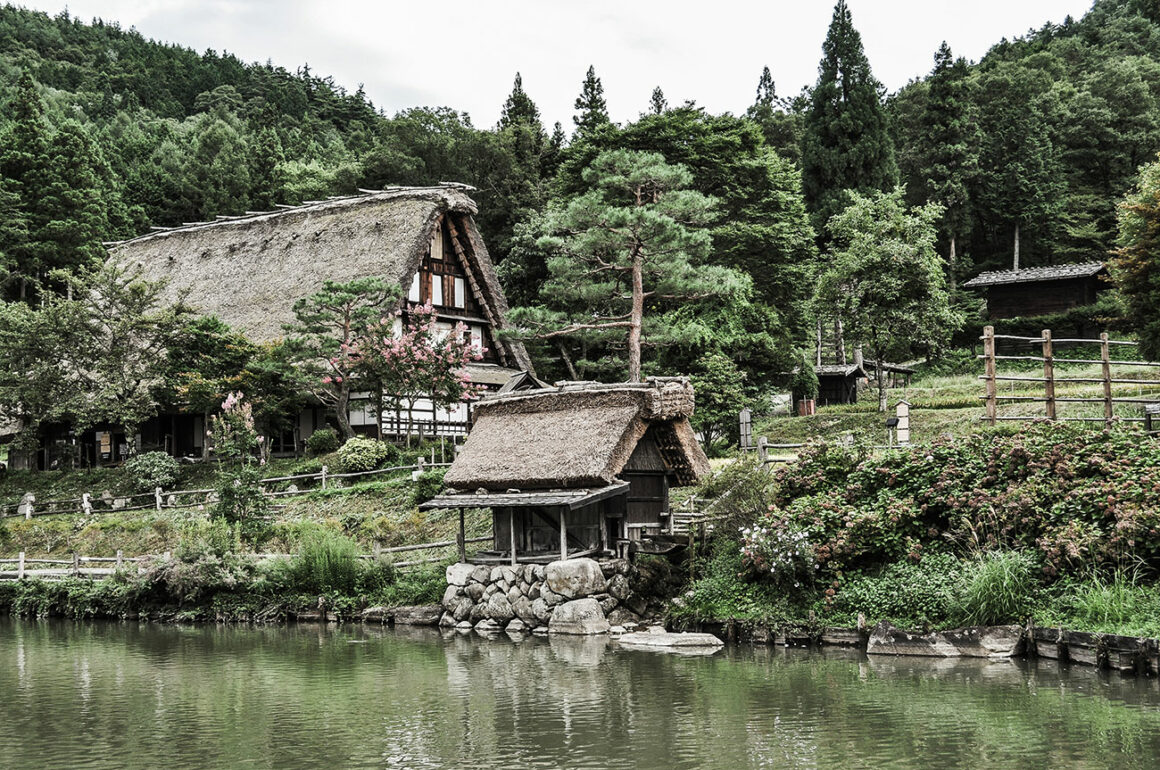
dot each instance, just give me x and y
(501, 349)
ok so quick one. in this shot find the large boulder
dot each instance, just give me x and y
(618, 586)
(421, 615)
(580, 617)
(541, 611)
(475, 591)
(459, 574)
(499, 608)
(481, 574)
(462, 608)
(575, 578)
(451, 596)
(522, 607)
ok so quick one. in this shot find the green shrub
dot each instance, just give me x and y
(997, 587)
(151, 470)
(326, 561)
(322, 442)
(240, 495)
(905, 593)
(1119, 604)
(359, 455)
(428, 485)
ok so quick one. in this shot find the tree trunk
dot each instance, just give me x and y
(1016, 262)
(818, 345)
(881, 384)
(342, 414)
(635, 321)
(839, 342)
(951, 260)
(567, 361)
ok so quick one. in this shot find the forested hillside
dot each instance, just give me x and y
(105, 133)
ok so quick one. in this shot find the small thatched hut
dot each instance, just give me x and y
(249, 270)
(576, 469)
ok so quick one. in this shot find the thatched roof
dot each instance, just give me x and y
(249, 270)
(1035, 274)
(576, 435)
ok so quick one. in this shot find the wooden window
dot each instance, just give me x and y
(437, 244)
(436, 290)
(415, 295)
(460, 293)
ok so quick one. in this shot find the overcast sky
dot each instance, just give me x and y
(464, 54)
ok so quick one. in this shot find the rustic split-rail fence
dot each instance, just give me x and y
(177, 499)
(1115, 387)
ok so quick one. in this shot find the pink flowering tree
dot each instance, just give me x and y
(415, 362)
(323, 338)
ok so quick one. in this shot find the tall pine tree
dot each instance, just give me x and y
(519, 109)
(24, 166)
(592, 111)
(657, 103)
(949, 153)
(846, 144)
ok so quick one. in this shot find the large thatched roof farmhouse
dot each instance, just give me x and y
(249, 270)
(576, 469)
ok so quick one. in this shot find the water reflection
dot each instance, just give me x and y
(127, 695)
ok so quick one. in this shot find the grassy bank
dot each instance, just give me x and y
(1052, 524)
(209, 580)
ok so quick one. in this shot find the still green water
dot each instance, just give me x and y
(109, 695)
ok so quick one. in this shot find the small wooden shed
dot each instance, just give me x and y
(839, 383)
(1034, 291)
(576, 469)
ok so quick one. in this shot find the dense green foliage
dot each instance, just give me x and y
(364, 454)
(1051, 522)
(1137, 264)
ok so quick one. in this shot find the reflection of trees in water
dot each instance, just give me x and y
(356, 696)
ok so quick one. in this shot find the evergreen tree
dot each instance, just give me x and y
(266, 178)
(657, 103)
(24, 166)
(13, 232)
(846, 143)
(73, 206)
(949, 148)
(1136, 267)
(780, 121)
(626, 251)
(553, 152)
(519, 109)
(592, 111)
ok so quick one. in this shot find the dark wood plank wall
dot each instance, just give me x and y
(1041, 298)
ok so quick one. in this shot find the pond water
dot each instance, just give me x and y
(111, 695)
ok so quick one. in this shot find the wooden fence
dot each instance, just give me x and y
(1046, 346)
(160, 499)
(21, 567)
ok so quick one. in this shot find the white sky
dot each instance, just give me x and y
(464, 54)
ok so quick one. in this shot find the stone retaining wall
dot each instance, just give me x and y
(577, 596)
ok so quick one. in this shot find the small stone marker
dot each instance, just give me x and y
(902, 412)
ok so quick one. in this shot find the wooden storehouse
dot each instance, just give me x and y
(576, 469)
(249, 270)
(839, 383)
(1035, 291)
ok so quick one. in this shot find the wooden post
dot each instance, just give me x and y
(157, 498)
(20, 567)
(1105, 361)
(762, 449)
(512, 532)
(324, 477)
(76, 568)
(563, 536)
(461, 539)
(1048, 375)
(120, 556)
(991, 403)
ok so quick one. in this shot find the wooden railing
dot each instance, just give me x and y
(22, 567)
(1050, 398)
(160, 499)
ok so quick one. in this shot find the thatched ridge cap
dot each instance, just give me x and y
(452, 196)
(658, 398)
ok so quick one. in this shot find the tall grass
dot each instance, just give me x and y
(997, 587)
(326, 561)
(1119, 604)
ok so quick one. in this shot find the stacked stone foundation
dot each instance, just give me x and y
(577, 596)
